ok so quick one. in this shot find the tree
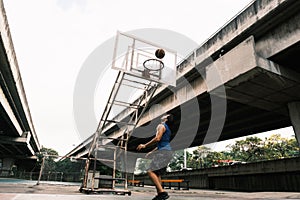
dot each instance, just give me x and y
(213, 158)
(142, 165)
(178, 160)
(250, 149)
(255, 149)
(68, 166)
(278, 147)
(198, 158)
(50, 155)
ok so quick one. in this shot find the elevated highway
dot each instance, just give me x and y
(18, 140)
(244, 79)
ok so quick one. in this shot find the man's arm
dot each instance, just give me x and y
(149, 153)
(159, 133)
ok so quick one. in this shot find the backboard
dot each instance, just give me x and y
(137, 57)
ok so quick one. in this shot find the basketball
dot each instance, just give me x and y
(160, 53)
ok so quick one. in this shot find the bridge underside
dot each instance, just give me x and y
(243, 80)
(255, 101)
(18, 140)
(13, 146)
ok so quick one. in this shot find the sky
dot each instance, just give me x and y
(53, 38)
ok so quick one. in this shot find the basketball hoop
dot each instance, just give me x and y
(153, 68)
(153, 64)
(144, 59)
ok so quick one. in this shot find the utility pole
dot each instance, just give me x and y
(184, 159)
(41, 170)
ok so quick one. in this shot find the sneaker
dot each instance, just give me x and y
(161, 196)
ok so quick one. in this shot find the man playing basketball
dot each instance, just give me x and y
(162, 155)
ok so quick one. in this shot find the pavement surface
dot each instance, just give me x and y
(28, 190)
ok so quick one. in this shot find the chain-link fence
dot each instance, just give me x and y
(50, 176)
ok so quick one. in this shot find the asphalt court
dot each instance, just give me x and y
(28, 190)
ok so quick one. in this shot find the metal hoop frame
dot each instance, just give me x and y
(161, 64)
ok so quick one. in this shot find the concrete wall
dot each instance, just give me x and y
(277, 175)
(7, 164)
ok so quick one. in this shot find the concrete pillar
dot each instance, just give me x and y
(294, 111)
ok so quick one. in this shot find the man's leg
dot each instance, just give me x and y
(156, 180)
(154, 172)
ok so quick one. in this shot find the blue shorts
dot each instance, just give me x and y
(160, 161)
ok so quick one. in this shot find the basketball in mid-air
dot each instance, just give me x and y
(160, 53)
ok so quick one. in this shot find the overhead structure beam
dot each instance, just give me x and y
(10, 113)
(294, 110)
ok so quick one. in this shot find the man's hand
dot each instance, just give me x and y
(141, 146)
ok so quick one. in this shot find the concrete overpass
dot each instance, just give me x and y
(18, 140)
(245, 79)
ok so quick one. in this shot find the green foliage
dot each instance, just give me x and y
(255, 149)
(50, 155)
(214, 157)
(142, 165)
(277, 147)
(68, 170)
(53, 165)
(178, 160)
(68, 166)
(251, 149)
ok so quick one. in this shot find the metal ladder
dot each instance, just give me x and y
(127, 123)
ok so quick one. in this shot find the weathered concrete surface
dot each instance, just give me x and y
(18, 139)
(294, 110)
(64, 192)
(273, 175)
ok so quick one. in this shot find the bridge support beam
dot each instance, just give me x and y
(294, 111)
